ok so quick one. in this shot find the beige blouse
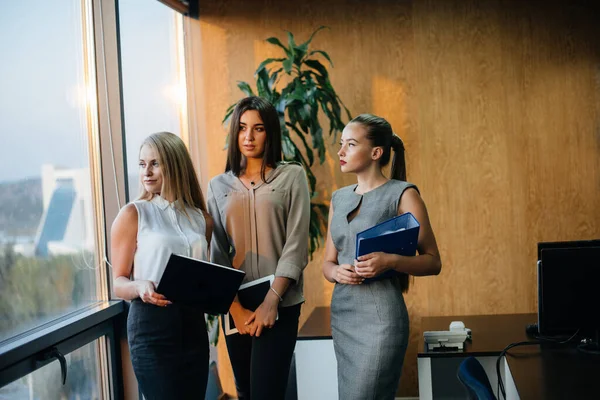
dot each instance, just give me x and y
(263, 230)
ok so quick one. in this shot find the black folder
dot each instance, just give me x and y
(250, 295)
(202, 284)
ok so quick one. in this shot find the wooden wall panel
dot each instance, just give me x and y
(499, 106)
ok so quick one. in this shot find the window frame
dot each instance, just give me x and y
(22, 354)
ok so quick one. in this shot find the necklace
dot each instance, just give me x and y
(253, 178)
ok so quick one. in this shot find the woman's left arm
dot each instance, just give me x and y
(294, 256)
(428, 262)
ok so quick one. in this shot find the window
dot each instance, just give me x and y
(54, 208)
(48, 261)
(154, 95)
(83, 373)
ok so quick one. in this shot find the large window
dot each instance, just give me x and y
(154, 95)
(48, 258)
(60, 176)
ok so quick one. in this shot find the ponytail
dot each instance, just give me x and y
(399, 160)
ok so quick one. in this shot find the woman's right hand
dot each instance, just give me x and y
(345, 274)
(146, 292)
(240, 317)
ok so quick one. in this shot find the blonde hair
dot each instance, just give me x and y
(179, 177)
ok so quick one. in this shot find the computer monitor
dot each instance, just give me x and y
(568, 280)
(566, 245)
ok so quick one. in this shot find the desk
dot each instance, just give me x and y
(528, 372)
(550, 372)
(491, 334)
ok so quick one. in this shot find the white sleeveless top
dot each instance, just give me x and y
(162, 230)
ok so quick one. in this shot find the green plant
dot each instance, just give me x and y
(306, 90)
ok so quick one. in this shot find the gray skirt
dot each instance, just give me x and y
(370, 330)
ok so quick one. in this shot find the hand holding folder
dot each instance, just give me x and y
(398, 235)
(250, 295)
(210, 287)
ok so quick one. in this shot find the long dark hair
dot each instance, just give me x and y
(270, 118)
(380, 133)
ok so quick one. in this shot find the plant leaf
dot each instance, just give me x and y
(245, 87)
(318, 215)
(291, 41)
(262, 84)
(316, 65)
(266, 62)
(287, 147)
(309, 152)
(273, 78)
(313, 35)
(287, 65)
(312, 181)
(323, 54)
(292, 153)
(276, 42)
(228, 113)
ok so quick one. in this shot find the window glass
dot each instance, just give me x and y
(48, 264)
(153, 87)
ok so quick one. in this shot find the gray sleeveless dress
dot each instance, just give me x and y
(369, 322)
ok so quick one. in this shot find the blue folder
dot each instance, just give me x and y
(398, 235)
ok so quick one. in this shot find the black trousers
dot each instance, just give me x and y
(169, 350)
(261, 365)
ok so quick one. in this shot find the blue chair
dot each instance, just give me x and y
(473, 377)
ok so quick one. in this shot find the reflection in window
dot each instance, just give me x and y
(83, 379)
(47, 235)
(154, 93)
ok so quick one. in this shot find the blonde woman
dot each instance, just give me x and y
(168, 341)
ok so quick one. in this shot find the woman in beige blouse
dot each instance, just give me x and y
(261, 210)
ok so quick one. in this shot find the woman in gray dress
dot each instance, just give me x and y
(370, 321)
